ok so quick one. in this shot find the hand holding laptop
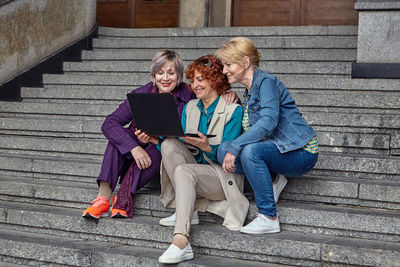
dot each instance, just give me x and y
(156, 115)
(201, 142)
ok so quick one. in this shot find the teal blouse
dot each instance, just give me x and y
(232, 128)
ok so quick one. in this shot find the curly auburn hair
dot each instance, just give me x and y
(211, 70)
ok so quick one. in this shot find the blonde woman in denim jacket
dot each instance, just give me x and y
(276, 138)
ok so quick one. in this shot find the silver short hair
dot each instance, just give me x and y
(161, 58)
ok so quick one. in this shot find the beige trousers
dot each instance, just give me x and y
(190, 180)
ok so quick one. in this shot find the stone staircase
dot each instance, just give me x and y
(346, 212)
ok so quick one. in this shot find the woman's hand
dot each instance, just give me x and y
(229, 163)
(144, 138)
(200, 142)
(230, 97)
(143, 160)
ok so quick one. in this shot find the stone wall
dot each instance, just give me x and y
(30, 31)
(378, 31)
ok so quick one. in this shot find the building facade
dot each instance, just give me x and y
(225, 13)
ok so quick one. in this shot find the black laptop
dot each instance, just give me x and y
(156, 114)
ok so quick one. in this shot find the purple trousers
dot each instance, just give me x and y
(134, 179)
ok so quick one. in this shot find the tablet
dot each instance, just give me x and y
(156, 115)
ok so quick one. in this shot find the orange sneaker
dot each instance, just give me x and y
(117, 213)
(99, 209)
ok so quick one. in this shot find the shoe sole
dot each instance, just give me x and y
(93, 217)
(271, 231)
(119, 215)
(172, 223)
(185, 257)
(279, 192)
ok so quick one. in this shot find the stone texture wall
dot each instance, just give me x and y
(378, 31)
(32, 30)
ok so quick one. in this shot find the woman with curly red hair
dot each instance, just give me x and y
(191, 178)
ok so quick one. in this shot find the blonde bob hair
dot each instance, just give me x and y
(236, 49)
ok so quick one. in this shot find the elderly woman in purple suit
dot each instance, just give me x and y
(124, 147)
(130, 147)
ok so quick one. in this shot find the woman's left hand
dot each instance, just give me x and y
(200, 142)
(230, 97)
(144, 138)
(229, 163)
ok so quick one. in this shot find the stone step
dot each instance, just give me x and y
(231, 31)
(264, 42)
(327, 122)
(344, 191)
(77, 93)
(352, 191)
(287, 247)
(44, 249)
(53, 146)
(326, 117)
(276, 67)
(331, 98)
(331, 140)
(54, 167)
(78, 146)
(297, 54)
(357, 166)
(24, 125)
(301, 81)
(90, 112)
(374, 166)
(318, 116)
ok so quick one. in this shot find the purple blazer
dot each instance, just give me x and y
(124, 138)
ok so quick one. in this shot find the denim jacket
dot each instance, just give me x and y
(273, 115)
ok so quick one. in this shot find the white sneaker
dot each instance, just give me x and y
(174, 254)
(170, 221)
(262, 225)
(278, 187)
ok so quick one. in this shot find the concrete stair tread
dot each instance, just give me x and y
(37, 165)
(301, 81)
(277, 54)
(285, 246)
(50, 126)
(327, 116)
(333, 187)
(62, 159)
(78, 146)
(302, 216)
(387, 168)
(37, 145)
(80, 252)
(309, 98)
(276, 67)
(293, 187)
(331, 137)
(263, 42)
(233, 31)
(333, 190)
(50, 109)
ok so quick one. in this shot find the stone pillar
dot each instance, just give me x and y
(220, 13)
(378, 51)
(205, 13)
(193, 13)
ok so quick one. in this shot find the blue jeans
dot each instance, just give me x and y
(259, 160)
